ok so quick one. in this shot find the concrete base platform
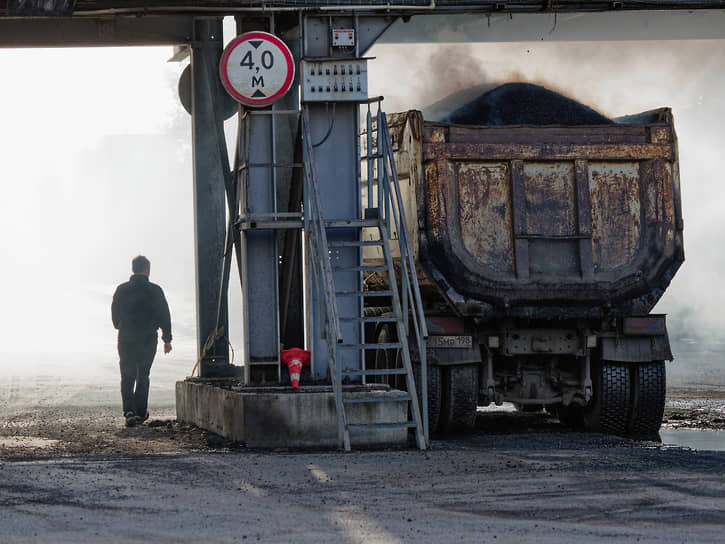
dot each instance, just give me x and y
(277, 417)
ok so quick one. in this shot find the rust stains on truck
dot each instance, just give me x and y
(527, 220)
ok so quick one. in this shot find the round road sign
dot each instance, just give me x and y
(257, 68)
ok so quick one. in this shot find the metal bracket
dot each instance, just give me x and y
(587, 376)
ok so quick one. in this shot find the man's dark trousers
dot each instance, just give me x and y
(136, 357)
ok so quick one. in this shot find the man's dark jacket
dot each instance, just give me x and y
(139, 309)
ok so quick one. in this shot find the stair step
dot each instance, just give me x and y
(364, 293)
(355, 243)
(361, 400)
(375, 372)
(406, 424)
(391, 345)
(378, 319)
(270, 224)
(363, 268)
(351, 223)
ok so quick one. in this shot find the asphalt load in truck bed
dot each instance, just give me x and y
(524, 104)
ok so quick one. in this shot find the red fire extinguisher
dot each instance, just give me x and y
(294, 359)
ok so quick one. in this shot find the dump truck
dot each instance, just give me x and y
(540, 253)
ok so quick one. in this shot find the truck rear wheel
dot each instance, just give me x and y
(649, 389)
(608, 411)
(460, 398)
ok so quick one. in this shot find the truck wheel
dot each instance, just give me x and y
(460, 398)
(608, 410)
(435, 393)
(649, 389)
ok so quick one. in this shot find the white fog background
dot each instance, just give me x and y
(96, 167)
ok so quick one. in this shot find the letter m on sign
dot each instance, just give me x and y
(258, 81)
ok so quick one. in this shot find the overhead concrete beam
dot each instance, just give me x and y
(90, 32)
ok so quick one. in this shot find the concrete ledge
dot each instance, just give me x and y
(276, 417)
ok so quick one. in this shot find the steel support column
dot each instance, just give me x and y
(334, 130)
(211, 167)
(269, 143)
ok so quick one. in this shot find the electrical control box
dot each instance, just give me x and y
(334, 80)
(343, 37)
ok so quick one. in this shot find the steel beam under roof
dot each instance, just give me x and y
(484, 21)
(104, 31)
(218, 7)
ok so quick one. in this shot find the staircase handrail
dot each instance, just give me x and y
(320, 255)
(403, 234)
(389, 185)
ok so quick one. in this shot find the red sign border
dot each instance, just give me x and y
(265, 36)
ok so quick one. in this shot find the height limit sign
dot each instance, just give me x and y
(257, 69)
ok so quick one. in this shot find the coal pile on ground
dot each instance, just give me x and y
(524, 104)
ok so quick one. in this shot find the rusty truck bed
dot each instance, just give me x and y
(542, 221)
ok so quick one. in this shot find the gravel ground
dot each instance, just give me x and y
(71, 472)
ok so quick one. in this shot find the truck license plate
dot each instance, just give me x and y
(450, 341)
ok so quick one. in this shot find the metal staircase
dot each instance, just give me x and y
(387, 219)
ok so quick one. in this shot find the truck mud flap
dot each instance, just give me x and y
(629, 349)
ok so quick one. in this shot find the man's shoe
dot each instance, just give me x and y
(142, 419)
(131, 419)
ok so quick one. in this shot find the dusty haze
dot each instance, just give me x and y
(96, 167)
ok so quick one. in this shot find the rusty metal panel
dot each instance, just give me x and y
(616, 213)
(660, 135)
(544, 222)
(550, 341)
(550, 198)
(551, 219)
(518, 197)
(584, 219)
(439, 149)
(485, 214)
(603, 134)
(434, 211)
(660, 210)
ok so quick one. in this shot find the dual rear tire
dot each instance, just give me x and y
(628, 400)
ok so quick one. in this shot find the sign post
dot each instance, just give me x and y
(257, 69)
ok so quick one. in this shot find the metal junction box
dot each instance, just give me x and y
(334, 80)
(343, 37)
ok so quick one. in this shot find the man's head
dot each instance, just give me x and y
(141, 265)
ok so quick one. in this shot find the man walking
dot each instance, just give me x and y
(138, 310)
